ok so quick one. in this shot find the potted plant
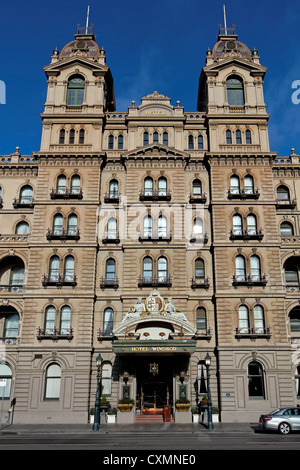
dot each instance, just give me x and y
(104, 404)
(203, 402)
(183, 404)
(111, 415)
(196, 413)
(215, 414)
(126, 404)
(92, 415)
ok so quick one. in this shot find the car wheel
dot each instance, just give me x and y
(284, 428)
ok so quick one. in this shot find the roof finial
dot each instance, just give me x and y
(225, 21)
(87, 20)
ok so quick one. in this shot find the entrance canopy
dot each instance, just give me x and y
(154, 326)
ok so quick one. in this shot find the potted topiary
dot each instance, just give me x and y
(196, 413)
(92, 415)
(111, 415)
(126, 404)
(183, 404)
(215, 414)
(104, 404)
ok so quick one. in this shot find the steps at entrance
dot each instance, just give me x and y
(149, 418)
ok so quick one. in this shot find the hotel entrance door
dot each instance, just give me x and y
(154, 397)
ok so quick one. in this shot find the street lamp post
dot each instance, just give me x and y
(96, 424)
(209, 407)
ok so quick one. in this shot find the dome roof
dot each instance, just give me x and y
(228, 46)
(84, 45)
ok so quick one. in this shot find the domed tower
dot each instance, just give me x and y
(231, 93)
(80, 91)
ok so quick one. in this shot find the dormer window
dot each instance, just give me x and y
(75, 92)
(235, 91)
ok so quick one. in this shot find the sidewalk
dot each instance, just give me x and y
(127, 428)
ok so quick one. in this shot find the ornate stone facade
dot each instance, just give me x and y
(152, 236)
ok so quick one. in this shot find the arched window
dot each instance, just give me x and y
(61, 184)
(243, 319)
(6, 374)
(291, 274)
(49, 324)
(240, 268)
(238, 137)
(191, 142)
(11, 327)
(57, 224)
(162, 226)
(72, 136)
(108, 321)
(294, 317)
(145, 138)
(255, 380)
(72, 224)
(234, 184)
(248, 137)
(198, 226)
(26, 195)
(197, 187)
(251, 224)
(110, 269)
(147, 269)
(155, 137)
(120, 142)
(65, 320)
(81, 136)
(22, 228)
(286, 229)
(228, 137)
(148, 186)
(162, 269)
(75, 184)
(249, 184)
(199, 269)
(237, 224)
(106, 379)
(75, 92)
(69, 268)
(113, 188)
(200, 142)
(255, 268)
(53, 379)
(201, 322)
(110, 142)
(283, 193)
(16, 277)
(148, 226)
(162, 186)
(259, 319)
(112, 228)
(54, 268)
(165, 138)
(62, 135)
(235, 91)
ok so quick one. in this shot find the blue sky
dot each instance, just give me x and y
(157, 45)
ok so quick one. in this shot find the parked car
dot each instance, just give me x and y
(283, 420)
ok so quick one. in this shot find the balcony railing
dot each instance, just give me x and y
(66, 193)
(155, 236)
(205, 333)
(160, 281)
(105, 335)
(199, 237)
(198, 283)
(7, 340)
(252, 234)
(11, 288)
(109, 283)
(114, 197)
(63, 234)
(111, 237)
(59, 280)
(23, 203)
(253, 333)
(286, 203)
(198, 198)
(292, 287)
(155, 195)
(243, 193)
(55, 333)
(249, 280)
